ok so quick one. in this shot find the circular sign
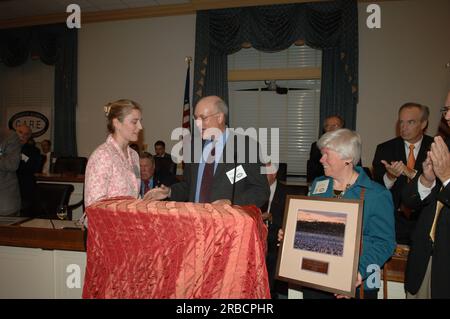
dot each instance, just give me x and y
(38, 122)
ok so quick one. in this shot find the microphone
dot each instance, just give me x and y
(235, 164)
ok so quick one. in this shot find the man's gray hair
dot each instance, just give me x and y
(425, 110)
(222, 107)
(345, 142)
(147, 155)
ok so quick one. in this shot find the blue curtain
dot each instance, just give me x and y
(55, 45)
(329, 26)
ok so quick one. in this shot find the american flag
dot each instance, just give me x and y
(187, 105)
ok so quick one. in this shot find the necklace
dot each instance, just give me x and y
(340, 194)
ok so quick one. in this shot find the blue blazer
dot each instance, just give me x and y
(378, 230)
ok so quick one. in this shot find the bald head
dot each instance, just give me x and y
(24, 132)
(332, 123)
(210, 114)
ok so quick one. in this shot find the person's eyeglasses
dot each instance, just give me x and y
(204, 118)
(445, 109)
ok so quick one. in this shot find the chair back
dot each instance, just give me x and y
(70, 165)
(49, 198)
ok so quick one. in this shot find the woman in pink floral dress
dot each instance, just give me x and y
(113, 168)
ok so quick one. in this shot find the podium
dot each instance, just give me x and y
(143, 249)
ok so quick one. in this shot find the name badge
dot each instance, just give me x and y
(25, 158)
(321, 187)
(240, 174)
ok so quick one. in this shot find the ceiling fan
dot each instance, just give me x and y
(271, 85)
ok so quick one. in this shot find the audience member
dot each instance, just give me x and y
(163, 161)
(30, 164)
(427, 269)
(10, 149)
(273, 212)
(208, 181)
(398, 160)
(149, 179)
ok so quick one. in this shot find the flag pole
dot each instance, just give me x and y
(186, 120)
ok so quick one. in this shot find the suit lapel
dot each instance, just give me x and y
(400, 150)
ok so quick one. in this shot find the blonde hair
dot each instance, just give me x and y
(119, 110)
(343, 141)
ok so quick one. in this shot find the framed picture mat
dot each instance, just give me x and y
(321, 243)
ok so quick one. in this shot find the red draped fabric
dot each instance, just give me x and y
(142, 249)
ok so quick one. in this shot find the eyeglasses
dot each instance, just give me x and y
(204, 118)
(445, 109)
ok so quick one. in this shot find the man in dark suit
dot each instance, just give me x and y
(273, 212)
(211, 178)
(427, 270)
(399, 160)
(30, 164)
(149, 179)
(9, 162)
(314, 168)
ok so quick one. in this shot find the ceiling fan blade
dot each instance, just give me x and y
(254, 89)
(281, 90)
(299, 89)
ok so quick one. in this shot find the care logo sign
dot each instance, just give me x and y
(37, 121)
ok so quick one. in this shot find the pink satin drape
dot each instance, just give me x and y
(141, 249)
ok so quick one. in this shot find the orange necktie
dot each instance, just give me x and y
(411, 160)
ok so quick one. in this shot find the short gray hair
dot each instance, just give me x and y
(144, 155)
(222, 107)
(425, 110)
(345, 142)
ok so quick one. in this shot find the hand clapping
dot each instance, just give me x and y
(394, 169)
(440, 159)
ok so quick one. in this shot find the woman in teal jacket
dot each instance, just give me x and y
(341, 150)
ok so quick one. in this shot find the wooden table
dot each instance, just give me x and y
(42, 237)
(39, 262)
(60, 178)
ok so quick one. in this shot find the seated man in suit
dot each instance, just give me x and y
(149, 179)
(314, 167)
(397, 161)
(427, 269)
(30, 164)
(273, 212)
(208, 177)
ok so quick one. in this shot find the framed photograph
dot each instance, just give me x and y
(321, 243)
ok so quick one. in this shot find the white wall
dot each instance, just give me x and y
(403, 61)
(142, 60)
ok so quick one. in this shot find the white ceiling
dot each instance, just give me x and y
(11, 9)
